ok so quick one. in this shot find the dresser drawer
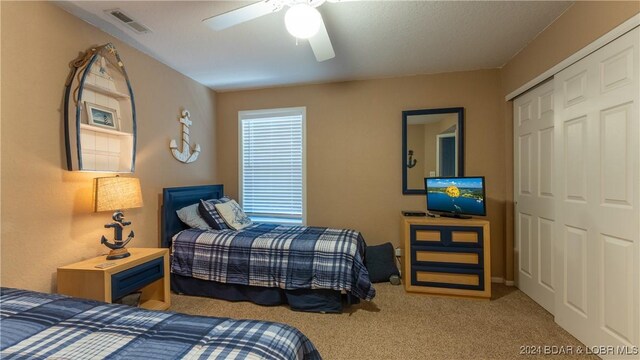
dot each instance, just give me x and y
(452, 278)
(130, 280)
(447, 236)
(440, 256)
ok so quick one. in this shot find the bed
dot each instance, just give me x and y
(50, 326)
(295, 268)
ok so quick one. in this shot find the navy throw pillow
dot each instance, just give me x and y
(207, 210)
(380, 262)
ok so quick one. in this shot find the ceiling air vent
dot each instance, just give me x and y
(128, 21)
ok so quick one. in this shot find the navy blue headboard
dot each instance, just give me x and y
(175, 199)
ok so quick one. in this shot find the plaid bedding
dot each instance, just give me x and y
(268, 255)
(45, 326)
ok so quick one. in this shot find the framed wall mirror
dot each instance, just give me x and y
(432, 146)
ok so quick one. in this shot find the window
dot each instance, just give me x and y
(272, 169)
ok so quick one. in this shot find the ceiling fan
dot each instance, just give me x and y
(302, 20)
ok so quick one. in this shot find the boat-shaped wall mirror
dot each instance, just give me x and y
(100, 115)
(432, 146)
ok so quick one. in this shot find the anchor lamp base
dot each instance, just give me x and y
(116, 193)
(118, 254)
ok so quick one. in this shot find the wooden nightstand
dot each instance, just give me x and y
(146, 270)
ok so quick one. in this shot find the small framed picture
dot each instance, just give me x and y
(102, 116)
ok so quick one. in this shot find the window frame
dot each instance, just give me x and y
(265, 113)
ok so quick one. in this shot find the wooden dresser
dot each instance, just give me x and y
(446, 256)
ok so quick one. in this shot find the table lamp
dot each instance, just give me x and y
(116, 194)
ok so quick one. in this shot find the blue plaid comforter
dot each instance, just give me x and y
(45, 326)
(268, 255)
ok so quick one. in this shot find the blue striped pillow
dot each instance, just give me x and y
(209, 213)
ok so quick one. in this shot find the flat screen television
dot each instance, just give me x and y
(456, 196)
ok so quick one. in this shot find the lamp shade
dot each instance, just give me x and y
(117, 193)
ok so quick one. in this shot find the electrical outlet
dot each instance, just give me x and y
(398, 252)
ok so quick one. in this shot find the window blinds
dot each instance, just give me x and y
(272, 169)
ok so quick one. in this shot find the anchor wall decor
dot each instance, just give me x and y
(411, 162)
(186, 155)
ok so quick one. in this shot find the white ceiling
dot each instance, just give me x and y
(372, 39)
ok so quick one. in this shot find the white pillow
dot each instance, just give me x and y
(233, 215)
(189, 215)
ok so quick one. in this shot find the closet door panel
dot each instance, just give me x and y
(545, 165)
(597, 171)
(534, 193)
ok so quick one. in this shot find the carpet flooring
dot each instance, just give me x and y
(397, 325)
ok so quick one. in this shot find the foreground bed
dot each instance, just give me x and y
(309, 268)
(38, 326)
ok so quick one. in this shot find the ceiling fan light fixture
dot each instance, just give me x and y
(302, 21)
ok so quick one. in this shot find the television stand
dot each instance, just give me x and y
(446, 256)
(453, 215)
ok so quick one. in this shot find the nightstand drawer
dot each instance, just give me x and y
(134, 279)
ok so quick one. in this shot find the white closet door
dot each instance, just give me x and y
(534, 193)
(598, 202)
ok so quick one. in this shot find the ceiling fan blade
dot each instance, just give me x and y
(245, 13)
(321, 44)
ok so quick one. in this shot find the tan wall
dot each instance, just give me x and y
(47, 216)
(417, 142)
(580, 25)
(448, 123)
(430, 131)
(354, 146)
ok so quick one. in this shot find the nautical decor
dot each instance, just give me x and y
(116, 194)
(233, 215)
(102, 116)
(411, 162)
(99, 113)
(186, 155)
